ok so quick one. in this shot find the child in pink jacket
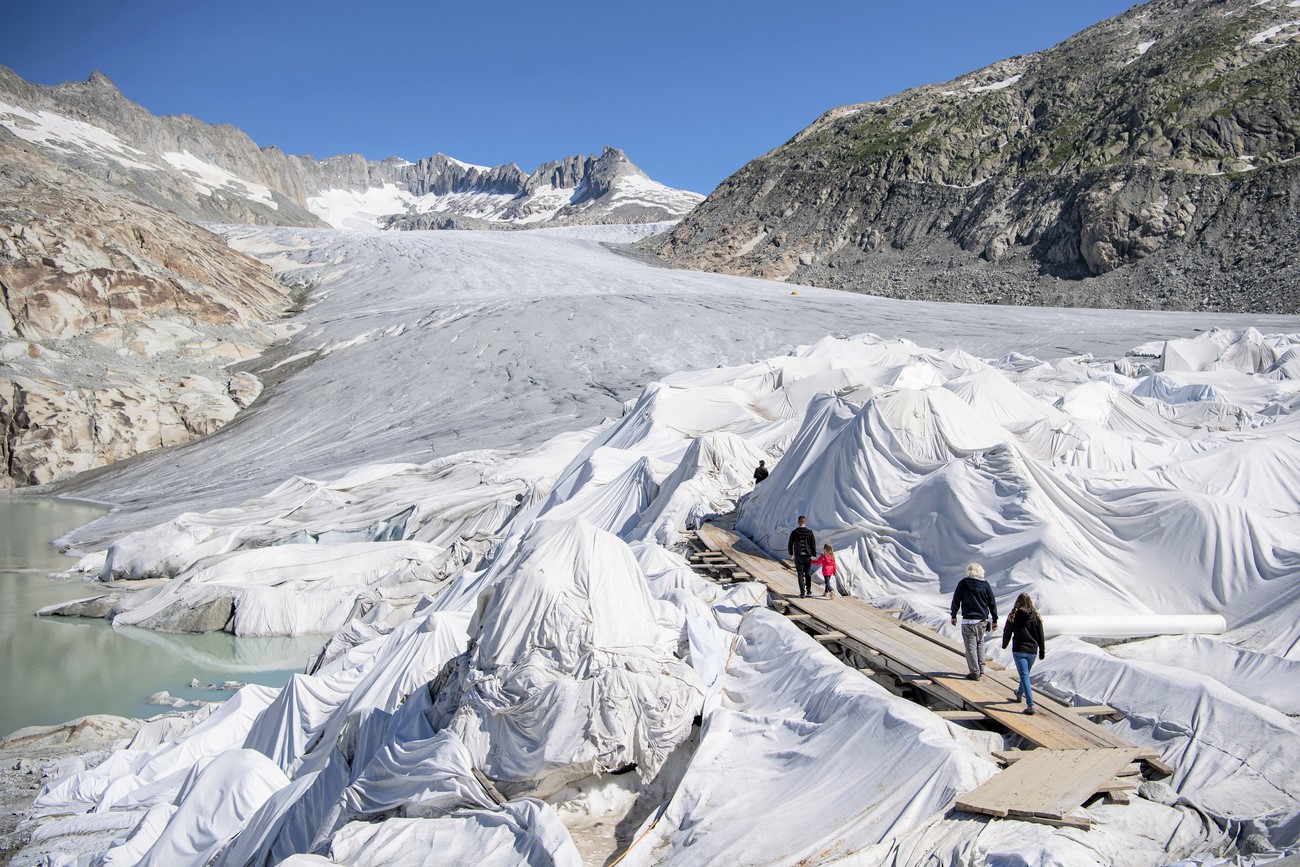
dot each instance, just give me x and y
(827, 562)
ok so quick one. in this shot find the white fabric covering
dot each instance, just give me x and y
(520, 615)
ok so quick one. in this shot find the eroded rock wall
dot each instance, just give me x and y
(117, 325)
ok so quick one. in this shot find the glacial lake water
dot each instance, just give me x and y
(54, 669)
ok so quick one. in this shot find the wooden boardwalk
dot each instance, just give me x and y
(931, 668)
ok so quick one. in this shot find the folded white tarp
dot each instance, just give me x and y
(804, 760)
(1132, 625)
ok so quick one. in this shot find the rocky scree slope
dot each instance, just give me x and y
(216, 173)
(119, 323)
(1148, 161)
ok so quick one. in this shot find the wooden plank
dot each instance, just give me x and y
(1009, 756)
(492, 791)
(1155, 763)
(799, 618)
(1095, 710)
(1046, 784)
(1081, 822)
(1118, 785)
(960, 715)
(829, 636)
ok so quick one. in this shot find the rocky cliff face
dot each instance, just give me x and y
(1146, 162)
(118, 323)
(215, 173)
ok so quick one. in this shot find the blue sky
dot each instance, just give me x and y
(691, 90)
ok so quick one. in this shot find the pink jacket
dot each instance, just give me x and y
(827, 562)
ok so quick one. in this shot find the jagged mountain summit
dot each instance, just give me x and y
(1148, 161)
(216, 173)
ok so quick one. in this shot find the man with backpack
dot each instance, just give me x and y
(802, 546)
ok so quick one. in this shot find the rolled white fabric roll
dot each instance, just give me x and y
(1132, 625)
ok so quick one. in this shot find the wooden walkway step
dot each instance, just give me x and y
(1049, 785)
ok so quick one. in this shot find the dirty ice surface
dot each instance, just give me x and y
(521, 627)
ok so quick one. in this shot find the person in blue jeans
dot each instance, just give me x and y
(1024, 632)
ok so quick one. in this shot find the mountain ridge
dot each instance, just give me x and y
(1147, 161)
(217, 173)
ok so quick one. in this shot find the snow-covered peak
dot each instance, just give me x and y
(217, 174)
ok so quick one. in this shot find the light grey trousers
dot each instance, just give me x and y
(972, 635)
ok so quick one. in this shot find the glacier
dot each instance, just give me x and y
(499, 442)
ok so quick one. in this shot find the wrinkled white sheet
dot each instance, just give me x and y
(1233, 758)
(580, 645)
(821, 759)
(525, 832)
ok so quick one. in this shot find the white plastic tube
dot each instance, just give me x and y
(1132, 625)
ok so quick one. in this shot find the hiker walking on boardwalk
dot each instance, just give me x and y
(801, 546)
(760, 472)
(827, 562)
(979, 611)
(1024, 631)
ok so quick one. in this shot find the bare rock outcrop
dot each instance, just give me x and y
(117, 323)
(1149, 161)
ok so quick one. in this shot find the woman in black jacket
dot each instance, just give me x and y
(1024, 632)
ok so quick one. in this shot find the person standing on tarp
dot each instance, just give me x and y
(979, 610)
(1024, 631)
(760, 472)
(801, 547)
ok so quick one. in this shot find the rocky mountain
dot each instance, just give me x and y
(216, 173)
(119, 322)
(1148, 161)
(123, 323)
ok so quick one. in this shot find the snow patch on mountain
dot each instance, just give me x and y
(209, 178)
(57, 132)
(1272, 32)
(997, 85)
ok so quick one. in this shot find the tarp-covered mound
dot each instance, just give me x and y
(285, 590)
(460, 502)
(519, 628)
(823, 760)
(571, 672)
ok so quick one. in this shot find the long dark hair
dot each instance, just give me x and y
(1024, 603)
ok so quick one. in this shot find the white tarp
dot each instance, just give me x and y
(561, 642)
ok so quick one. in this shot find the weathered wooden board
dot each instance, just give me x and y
(1048, 784)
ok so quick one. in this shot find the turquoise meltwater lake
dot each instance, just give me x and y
(55, 668)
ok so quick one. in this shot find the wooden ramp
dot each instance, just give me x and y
(930, 667)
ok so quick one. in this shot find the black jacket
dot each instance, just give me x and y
(802, 545)
(1024, 630)
(760, 473)
(974, 597)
